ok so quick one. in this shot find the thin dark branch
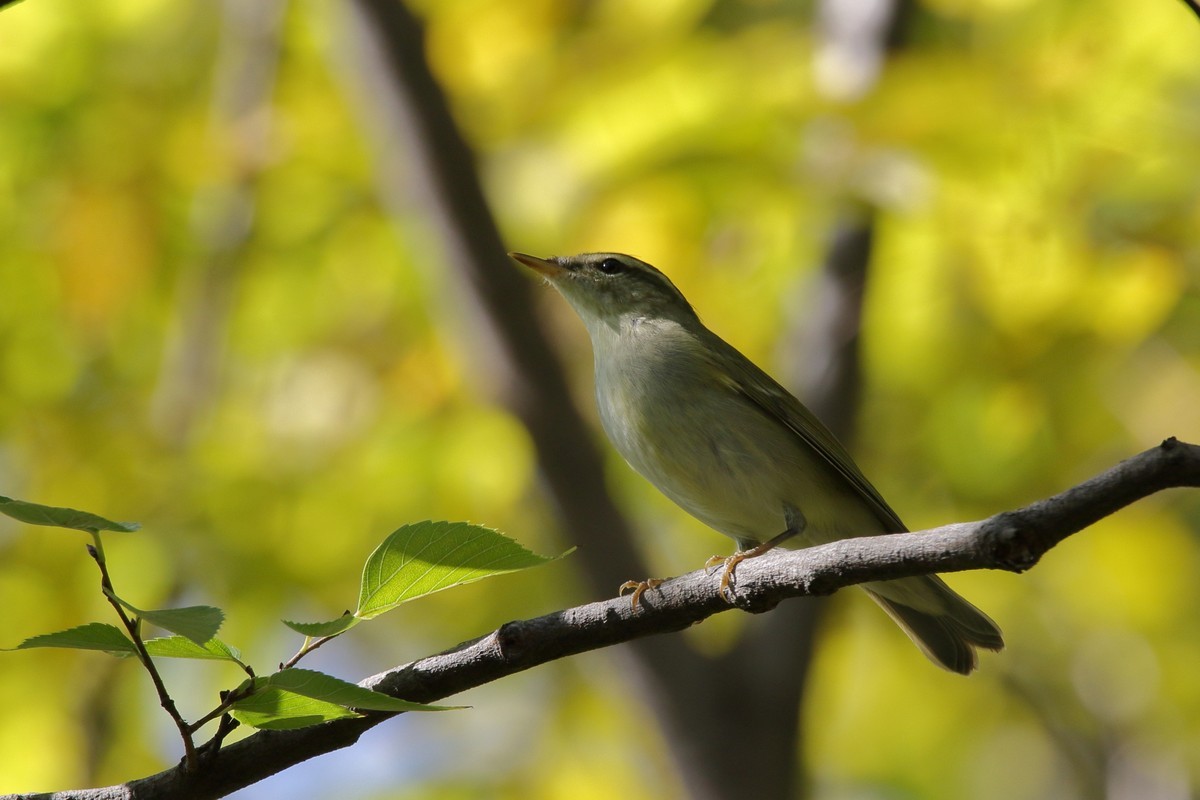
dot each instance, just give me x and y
(1013, 541)
(1194, 5)
(134, 628)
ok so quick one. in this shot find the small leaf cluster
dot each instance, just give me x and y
(414, 561)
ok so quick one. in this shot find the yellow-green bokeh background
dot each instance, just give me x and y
(1033, 315)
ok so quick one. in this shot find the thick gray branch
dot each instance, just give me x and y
(1012, 540)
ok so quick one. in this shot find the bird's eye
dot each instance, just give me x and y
(611, 266)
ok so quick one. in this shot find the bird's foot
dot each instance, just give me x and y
(729, 565)
(638, 588)
(728, 579)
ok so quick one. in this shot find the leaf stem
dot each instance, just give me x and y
(307, 648)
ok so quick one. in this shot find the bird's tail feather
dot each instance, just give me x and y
(945, 626)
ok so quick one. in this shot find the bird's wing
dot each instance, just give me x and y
(779, 404)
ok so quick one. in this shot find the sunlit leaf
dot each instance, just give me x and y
(276, 709)
(198, 623)
(37, 514)
(296, 698)
(183, 647)
(426, 557)
(320, 686)
(92, 636)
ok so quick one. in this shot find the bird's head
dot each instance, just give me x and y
(605, 288)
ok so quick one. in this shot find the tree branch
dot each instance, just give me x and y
(1012, 540)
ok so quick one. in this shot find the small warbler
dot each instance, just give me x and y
(733, 448)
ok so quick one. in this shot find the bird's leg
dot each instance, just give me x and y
(638, 588)
(796, 524)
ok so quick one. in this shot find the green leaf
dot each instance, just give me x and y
(423, 558)
(426, 557)
(198, 623)
(182, 647)
(275, 709)
(318, 629)
(319, 686)
(93, 636)
(296, 698)
(37, 514)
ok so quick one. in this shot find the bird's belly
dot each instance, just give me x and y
(740, 477)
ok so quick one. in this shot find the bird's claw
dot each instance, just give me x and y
(638, 588)
(728, 579)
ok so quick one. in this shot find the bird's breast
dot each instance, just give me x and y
(701, 444)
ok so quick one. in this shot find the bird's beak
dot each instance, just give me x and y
(543, 266)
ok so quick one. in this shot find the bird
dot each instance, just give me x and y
(732, 447)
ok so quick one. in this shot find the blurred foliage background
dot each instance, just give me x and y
(211, 322)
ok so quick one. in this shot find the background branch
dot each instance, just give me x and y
(493, 305)
(1013, 540)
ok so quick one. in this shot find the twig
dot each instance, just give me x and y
(208, 751)
(133, 626)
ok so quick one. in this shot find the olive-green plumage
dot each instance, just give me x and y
(731, 446)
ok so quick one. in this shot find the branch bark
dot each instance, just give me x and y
(1012, 541)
